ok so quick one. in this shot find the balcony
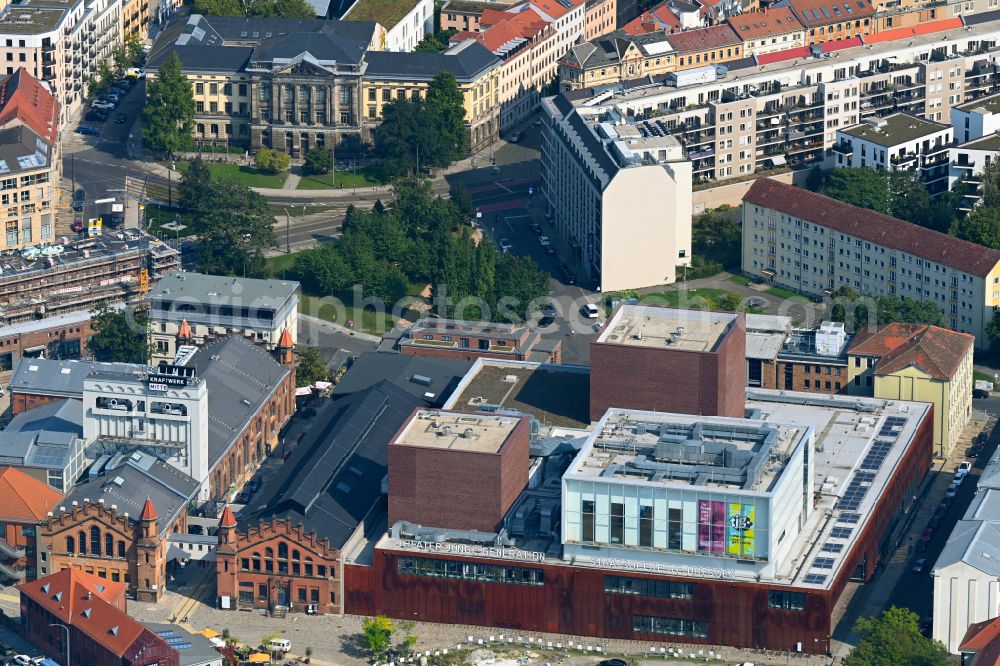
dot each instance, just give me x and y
(13, 552)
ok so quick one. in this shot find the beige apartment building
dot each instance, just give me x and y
(60, 42)
(814, 245)
(767, 32)
(619, 192)
(615, 58)
(601, 17)
(794, 104)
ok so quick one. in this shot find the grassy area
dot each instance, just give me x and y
(157, 216)
(280, 265)
(781, 293)
(692, 299)
(386, 12)
(364, 177)
(370, 321)
(981, 376)
(739, 279)
(245, 175)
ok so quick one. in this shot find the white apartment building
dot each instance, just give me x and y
(814, 245)
(977, 130)
(967, 572)
(619, 192)
(900, 142)
(60, 43)
(794, 106)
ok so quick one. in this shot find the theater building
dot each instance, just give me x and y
(671, 527)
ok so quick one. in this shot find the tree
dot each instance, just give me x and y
(908, 198)
(99, 83)
(119, 335)
(993, 331)
(294, 9)
(863, 187)
(409, 639)
(981, 226)
(716, 237)
(195, 190)
(731, 302)
(377, 632)
(894, 639)
(310, 366)
(318, 161)
(463, 201)
(423, 132)
(168, 117)
(130, 54)
(273, 161)
(814, 179)
(236, 230)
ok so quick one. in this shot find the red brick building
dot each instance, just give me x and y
(667, 360)
(60, 337)
(477, 465)
(276, 565)
(449, 338)
(93, 612)
(24, 503)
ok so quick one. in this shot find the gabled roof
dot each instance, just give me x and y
(755, 25)
(936, 351)
(92, 606)
(23, 97)
(148, 510)
(24, 498)
(927, 28)
(227, 519)
(655, 19)
(873, 227)
(983, 638)
(703, 39)
(466, 60)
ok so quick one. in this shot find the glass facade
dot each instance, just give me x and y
(644, 587)
(489, 573)
(669, 626)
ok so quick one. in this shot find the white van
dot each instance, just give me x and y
(279, 645)
(590, 311)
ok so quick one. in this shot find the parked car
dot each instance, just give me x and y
(96, 115)
(567, 274)
(114, 220)
(952, 491)
(617, 662)
(549, 249)
(536, 228)
(515, 138)
(135, 73)
(279, 645)
(505, 245)
(102, 104)
(77, 225)
(22, 660)
(918, 566)
(546, 321)
(963, 469)
(544, 240)
(120, 118)
(980, 394)
(79, 197)
(87, 130)
(590, 311)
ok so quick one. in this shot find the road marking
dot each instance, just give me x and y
(504, 187)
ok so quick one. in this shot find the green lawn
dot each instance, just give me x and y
(280, 265)
(157, 216)
(981, 376)
(781, 293)
(365, 177)
(246, 175)
(739, 279)
(386, 12)
(370, 322)
(690, 299)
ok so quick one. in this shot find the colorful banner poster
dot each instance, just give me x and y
(741, 532)
(711, 526)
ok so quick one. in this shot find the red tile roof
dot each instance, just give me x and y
(510, 26)
(781, 56)
(920, 29)
(703, 39)
(94, 606)
(823, 12)
(227, 519)
(755, 25)
(24, 98)
(25, 499)
(658, 18)
(983, 638)
(874, 227)
(935, 351)
(148, 511)
(840, 44)
(184, 330)
(286, 339)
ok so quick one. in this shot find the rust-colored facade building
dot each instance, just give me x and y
(276, 565)
(790, 359)
(24, 502)
(828, 20)
(452, 338)
(60, 337)
(669, 360)
(92, 611)
(475, 464)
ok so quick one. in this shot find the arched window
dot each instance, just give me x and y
(283, 550)
(121, 549)
(82, 538)
(256, 562)
(70, 545)
(269, 553)
(295, 554)
(109, 545)
(95, 540)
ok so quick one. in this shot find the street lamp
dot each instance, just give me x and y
(63, 626)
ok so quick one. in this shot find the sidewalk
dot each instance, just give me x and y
(316, 321)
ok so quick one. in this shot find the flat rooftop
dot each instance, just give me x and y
(33, 16)
(385, 12)
(895, 129)
(985, 105)
(699, 451)
(988, 142)
(556, 395)
(666, 328)
(473, 433)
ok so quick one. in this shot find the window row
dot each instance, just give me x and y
(786, 600)
(489, 573)
(79, 544)
(669, 626)
(644, 587)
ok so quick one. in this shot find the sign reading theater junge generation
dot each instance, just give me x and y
(498, 552)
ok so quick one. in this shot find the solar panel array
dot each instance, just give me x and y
(814, 579)
(823, 563)
(175, 641)
(849, 518)
(841, 532)
(832, 547)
